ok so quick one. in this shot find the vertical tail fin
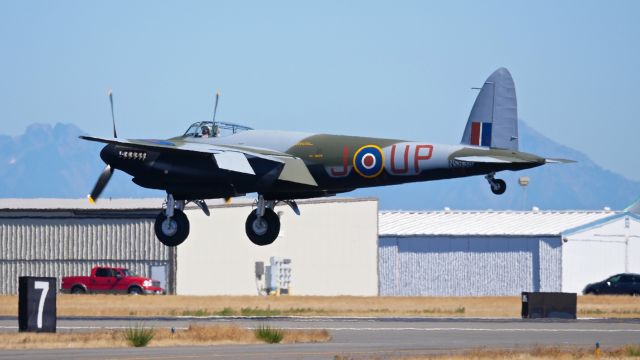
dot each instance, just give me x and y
(493, 121)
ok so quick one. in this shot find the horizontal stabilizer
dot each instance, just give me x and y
(234, 161)
(558, 161)
(492, 159)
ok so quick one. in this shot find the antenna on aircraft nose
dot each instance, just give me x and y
(113, 118)
(215, 107)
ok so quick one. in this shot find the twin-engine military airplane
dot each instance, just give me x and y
(284, 166)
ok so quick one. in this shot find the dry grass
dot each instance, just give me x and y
(507, 306)
(194, 335)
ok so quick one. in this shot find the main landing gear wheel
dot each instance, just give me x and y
(263, 230)
(498, 186)
(172, 231)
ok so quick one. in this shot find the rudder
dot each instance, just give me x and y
(493, 121)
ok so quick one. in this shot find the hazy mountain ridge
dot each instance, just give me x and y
(50, 161)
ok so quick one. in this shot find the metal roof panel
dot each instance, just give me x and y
(483, 223)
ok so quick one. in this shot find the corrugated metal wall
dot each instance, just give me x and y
(468, 266)
(34, 245)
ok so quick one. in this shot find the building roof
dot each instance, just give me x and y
(484, 223)
(80, 204)
(138, 204)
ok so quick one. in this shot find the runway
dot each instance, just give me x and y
(351, 337)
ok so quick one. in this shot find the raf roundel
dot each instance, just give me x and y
(368, 161)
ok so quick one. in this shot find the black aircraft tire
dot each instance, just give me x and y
(500, 188)
(181, 231)
(270, 233)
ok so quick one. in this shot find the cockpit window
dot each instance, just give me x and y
(206, 129)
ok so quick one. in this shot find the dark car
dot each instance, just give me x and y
(620, 284)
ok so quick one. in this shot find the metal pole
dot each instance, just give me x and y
(626, 243)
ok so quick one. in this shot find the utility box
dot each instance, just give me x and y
(278, 276)
(37, 304)
(538, 305)
(259, 270)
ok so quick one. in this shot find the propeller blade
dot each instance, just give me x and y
(215, 107)
(100, 184)
(113, 118)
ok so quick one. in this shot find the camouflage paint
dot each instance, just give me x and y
(185, 166)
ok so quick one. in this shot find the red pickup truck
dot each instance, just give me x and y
(106, 279)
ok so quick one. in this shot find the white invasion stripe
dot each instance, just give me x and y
(234, 161)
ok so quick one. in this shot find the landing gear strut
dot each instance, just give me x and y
(263, 224)
(498, 186)
(172, 225)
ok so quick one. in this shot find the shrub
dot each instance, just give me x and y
(259, 312)
(632, 350)
(268, 334)
(139, 336)
(226, 312)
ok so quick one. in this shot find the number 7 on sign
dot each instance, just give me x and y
(44, 286)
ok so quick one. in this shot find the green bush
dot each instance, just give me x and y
(268, 334)
(226, 312)
(259, 312)
(139, 336)
(632, 350)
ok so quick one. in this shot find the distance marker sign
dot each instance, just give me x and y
(37, 304)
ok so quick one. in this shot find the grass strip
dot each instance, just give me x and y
(194, 335)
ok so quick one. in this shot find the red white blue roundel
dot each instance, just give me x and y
(369, 161)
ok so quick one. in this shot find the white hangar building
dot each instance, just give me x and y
(62, 237)
(332, 245)
(476, 253)
(336, 247)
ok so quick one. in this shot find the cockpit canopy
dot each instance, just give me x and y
(207, 129)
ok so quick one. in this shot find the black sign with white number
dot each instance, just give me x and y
(37, 304)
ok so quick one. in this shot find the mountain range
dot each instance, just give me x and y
(51, 162)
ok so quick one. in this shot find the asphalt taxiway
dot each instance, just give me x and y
(351, 337)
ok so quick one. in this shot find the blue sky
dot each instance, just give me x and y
(397, 69)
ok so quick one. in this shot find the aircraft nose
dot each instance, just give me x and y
(108, 154)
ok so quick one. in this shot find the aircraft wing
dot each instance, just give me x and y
(232, 158)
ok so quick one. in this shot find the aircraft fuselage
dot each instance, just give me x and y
(337, 164)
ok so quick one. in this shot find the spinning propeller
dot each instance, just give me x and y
(227, 200)
(215, 107)
(106, 174)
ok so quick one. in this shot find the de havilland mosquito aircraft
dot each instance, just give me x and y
(282, 166)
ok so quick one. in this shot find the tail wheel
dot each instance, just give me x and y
(263, 230)
(498, 186)
(172, 231)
